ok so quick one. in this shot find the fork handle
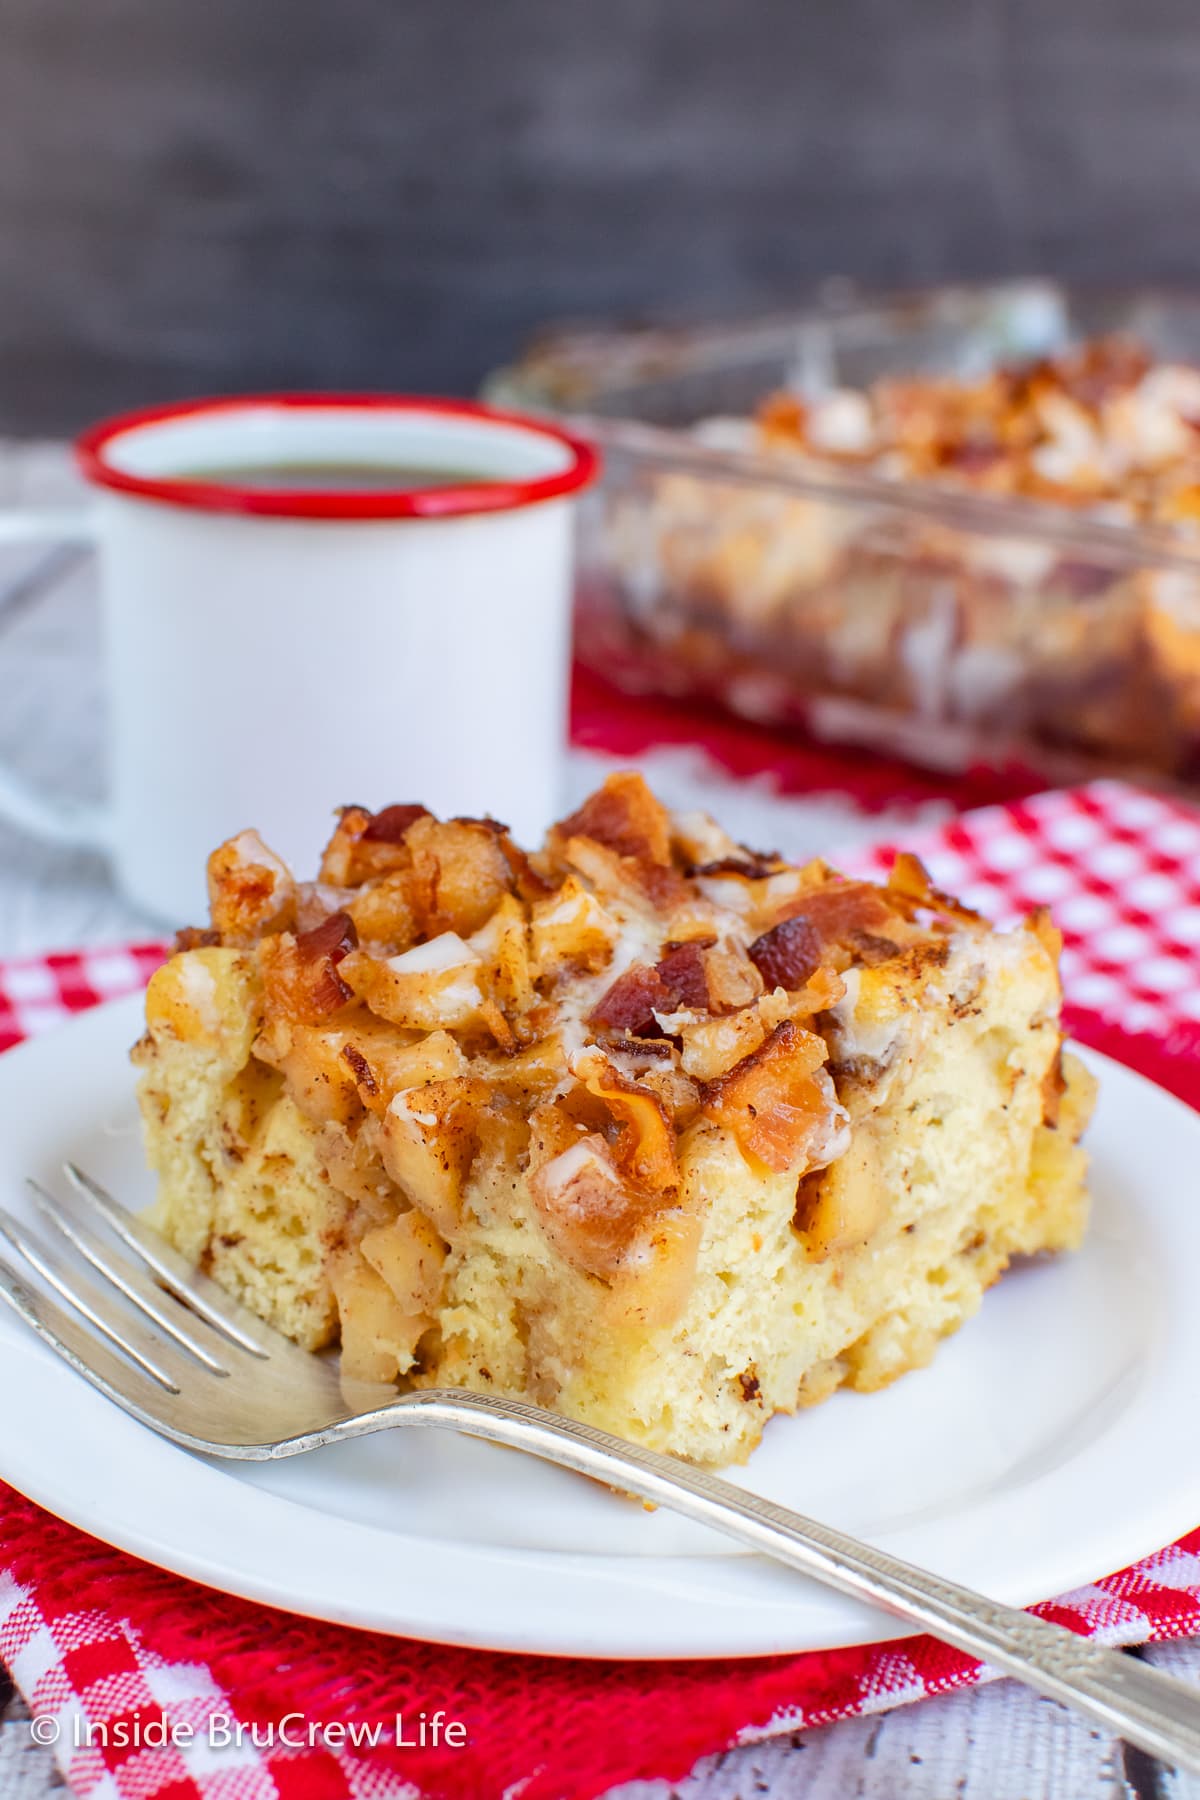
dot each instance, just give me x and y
(1135, 1701)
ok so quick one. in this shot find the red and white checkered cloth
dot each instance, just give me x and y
(94, 1637)
(1120, 870)
(42, 991)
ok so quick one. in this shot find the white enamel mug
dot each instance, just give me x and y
(274, 653)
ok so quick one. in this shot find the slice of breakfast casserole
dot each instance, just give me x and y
(645, 1127)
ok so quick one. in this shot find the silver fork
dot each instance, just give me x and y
(207, 1374)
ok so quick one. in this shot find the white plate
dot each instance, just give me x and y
(1049, 1443)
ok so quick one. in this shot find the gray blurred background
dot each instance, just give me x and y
(222, 194)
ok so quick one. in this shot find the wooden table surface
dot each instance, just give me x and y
(993, 1743)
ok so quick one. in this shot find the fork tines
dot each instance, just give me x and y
(176, 1322)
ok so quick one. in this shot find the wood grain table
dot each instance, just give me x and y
(994, 1743)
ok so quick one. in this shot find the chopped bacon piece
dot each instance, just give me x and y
(841, 908)
(332, 939)
(663, 887)
(682, 973)
(301, 974)
(680, 979)
(789, 954)
(632, 1001)
(624, 816)
(390, 824)
(841, 915)
(320, 951)
(772, 1102)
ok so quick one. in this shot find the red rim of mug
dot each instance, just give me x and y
(453, 500)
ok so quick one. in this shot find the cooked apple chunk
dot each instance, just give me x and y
(379, 1339)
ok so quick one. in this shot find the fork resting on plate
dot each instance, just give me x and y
(173, 1350)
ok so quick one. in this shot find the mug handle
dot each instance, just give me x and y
(57, 821)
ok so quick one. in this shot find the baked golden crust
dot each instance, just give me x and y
(543, 1123)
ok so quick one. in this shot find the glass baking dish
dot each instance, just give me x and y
(957, 629)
